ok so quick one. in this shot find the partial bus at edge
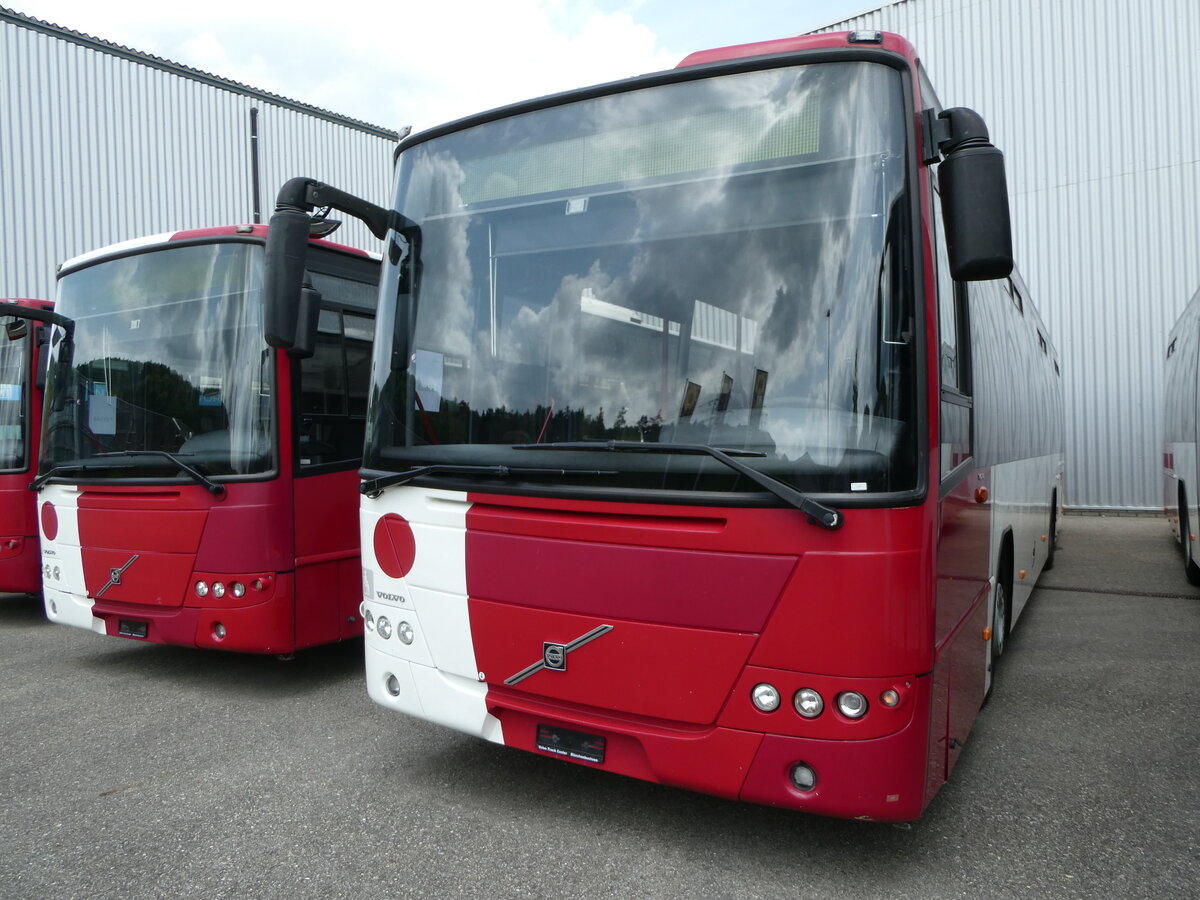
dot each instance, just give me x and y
(22, 345)
(713, 439)
(1181, 419)
(197, 486)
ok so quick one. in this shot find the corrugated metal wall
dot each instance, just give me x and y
(100, 144)
(1094, 103)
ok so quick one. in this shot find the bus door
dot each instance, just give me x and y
(329, 412)
(964, 519)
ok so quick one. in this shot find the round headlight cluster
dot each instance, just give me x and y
(383, 627)
(809, 703)
(51, 572)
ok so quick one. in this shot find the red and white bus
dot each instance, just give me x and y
(197, 486)
(21, 348)
(1181, 405)
(707, 443)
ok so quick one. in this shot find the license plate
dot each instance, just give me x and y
(571, 744)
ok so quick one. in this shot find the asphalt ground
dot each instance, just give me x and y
(134, 770)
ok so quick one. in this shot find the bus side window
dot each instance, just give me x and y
(954, 356)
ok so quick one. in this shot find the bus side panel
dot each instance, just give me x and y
(20, 565)
(328, 570)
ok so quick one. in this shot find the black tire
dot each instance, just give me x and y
(1051, 536)
(999, 624)
(1190, 569)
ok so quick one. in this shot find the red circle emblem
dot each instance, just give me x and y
(395, 545)
(49, 521)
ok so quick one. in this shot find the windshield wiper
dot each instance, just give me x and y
(818, 513)
(374, 487)
(40, 482)
(213, 487)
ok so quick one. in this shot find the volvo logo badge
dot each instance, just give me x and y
(114, 576)
(554, 656)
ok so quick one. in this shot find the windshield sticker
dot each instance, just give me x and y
(429, 379)
(10, 393)
(102, 411)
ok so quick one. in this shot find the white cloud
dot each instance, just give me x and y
(393, 63)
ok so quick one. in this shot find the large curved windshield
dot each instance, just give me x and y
(168, 358)
(14, 404)
(721, 262)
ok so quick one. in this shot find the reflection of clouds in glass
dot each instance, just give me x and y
(767, 263)
(447, 276)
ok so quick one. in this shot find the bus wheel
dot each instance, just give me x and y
(999, 624)
(1190, 569)
(1049, 564)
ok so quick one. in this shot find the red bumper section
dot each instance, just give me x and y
(267, 626)
(881, 779)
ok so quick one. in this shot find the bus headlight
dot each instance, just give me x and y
(383, 627)
(852, 704)
(808, 703)
(201, 588)
(405, 632)
(765, 697)
(369, 620)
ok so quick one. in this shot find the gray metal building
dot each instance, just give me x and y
(100, 143)
(1094, 103)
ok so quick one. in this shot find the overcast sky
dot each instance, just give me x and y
(396, 63)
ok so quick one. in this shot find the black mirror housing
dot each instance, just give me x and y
(974, 192)
(308, 314)
(287, 245)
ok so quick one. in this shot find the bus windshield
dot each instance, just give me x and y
(168, 357)
(14, 406)
(722, 261)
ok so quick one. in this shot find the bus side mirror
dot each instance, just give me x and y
(16, 329)
(974, 194)
(308, 314)
(283, 278)
(43, 363)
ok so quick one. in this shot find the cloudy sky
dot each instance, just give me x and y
(396, 62)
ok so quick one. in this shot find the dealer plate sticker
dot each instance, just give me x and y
(571, 744)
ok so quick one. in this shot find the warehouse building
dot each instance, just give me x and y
(1094, 104)
(101, 143)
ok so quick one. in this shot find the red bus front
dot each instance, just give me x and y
(196, 486)
(652, 476)
(20, 415)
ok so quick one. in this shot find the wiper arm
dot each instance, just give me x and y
(40, 482)
(213, 487)
(818, 513)
(373, 487)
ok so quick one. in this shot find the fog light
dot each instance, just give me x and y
(218, 589)
(405, 632)
(53, 608)
(257, 584)
(383, 627)
(393, 685)
(765, 697)
(803, 777)
(368, 621)
(852, 704)
(201, 588)
(218, 631)
(890, 698)
(808, 703)
(239, 589)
